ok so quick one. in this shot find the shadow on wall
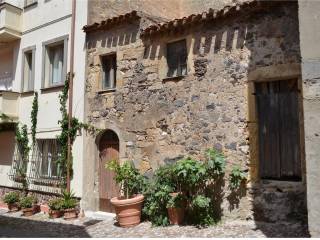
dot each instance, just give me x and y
(116, 37)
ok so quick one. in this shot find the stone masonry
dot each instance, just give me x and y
(160, 120)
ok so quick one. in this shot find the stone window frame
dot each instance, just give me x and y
(45, 83)
(179, 64)
(163, 66)
(101, 89)
(267, 74)
(28, 50)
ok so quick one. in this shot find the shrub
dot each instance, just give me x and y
(127, 176)
(11, 197)
(27, 201)
(55, 204)
(69, 200)
(237, 176)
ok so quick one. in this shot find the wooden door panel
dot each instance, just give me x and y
(108, 187)
(279, 137)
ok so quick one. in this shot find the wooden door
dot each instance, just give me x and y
(279, 130)
(109, 150)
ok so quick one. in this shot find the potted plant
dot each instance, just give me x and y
(28, 205)
(129, 203)
(12, 200)
(55, 207)
(69, 205)
(176, 207)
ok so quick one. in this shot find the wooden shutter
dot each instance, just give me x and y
(279, 141)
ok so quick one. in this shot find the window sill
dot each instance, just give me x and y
(52, 88)
(27, 93)
(107, 91)
(174, 79)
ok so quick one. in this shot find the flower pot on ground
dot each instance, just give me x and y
(12, 200)
(29, 205)
(129, 203)
(176, 208)
(55, 207)
(69, 205)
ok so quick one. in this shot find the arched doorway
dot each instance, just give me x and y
(108, 150)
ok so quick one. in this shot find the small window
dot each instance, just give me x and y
(49, 151)
(28, 3)
(54, 63)
(177, 58)
(28, 71)
(109, 68)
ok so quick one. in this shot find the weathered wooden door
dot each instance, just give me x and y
(279, 130)
(109, 150)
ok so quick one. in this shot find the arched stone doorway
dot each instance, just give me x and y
(108, 150)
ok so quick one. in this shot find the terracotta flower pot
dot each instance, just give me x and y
(70, 214)
(55, 213)
(27, 212)
(128, 210)
(13, 207)
(176, 214)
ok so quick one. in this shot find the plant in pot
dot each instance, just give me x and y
(12, 200)
(129, 203)
(176, 207)
(69, 205)
(28, 205)
(55, 207)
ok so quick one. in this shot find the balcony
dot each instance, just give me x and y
(10, 22)
(9, 106)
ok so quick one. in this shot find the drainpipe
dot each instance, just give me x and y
(73, 21)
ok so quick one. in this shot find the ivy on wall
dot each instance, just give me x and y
(34, 118)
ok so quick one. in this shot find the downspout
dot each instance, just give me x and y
(73, 21)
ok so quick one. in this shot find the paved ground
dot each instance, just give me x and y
(13, 225)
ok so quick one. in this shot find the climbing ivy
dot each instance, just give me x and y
(76, 126)
(34, 115)
(23, 141)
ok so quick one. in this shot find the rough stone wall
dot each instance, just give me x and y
(309, 14)
(170, 9)
(160, 120)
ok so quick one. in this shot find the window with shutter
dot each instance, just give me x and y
(177, 58)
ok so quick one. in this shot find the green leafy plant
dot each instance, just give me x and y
(69, 200)
(127, 176)
(23, 142)
(237, 176)
(55, 204)
(200, 212)
(27, 201)
(215, 162)
(11, 197)
(177, 201)
(34, 118)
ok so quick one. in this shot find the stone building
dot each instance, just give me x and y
(228, 78)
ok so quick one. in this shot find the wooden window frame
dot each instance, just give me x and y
(182, 63)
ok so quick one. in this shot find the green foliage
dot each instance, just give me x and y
(55, 204)
(237, 176)
(4, 117)
(23, 142)
(215, 162)
(27, 201)
(11, 197)
(177, 201)
(127, 176)
(34, 120)
(69, 200)
(200, 212)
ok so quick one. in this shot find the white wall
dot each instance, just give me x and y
(34, 34)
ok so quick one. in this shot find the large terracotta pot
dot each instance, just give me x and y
(13, 207)
(70, 214)
(176, 214)
(27, 212)
(128, 210)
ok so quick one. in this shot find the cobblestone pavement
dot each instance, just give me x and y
(13, 225)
